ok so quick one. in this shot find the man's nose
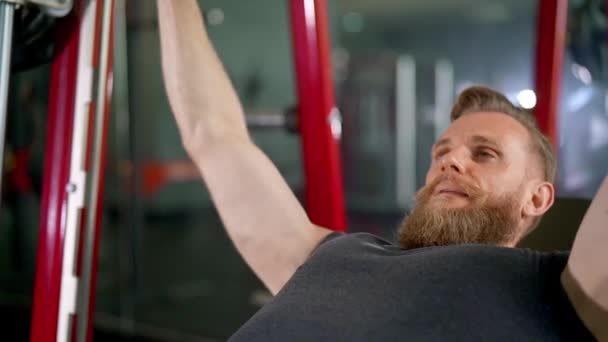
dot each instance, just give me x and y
(453, 162)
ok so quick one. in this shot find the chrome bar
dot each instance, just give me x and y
(7, 11)
(406, 132)
(267, 120)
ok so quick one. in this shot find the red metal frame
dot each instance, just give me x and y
(321, 155)
(57, 168)
(550, 49)
(56, 165)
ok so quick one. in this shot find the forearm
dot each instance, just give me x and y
(204, 102)
(586, 276)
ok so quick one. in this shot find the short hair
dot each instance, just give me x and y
(483, 99)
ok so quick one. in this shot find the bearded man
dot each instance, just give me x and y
(455, 274)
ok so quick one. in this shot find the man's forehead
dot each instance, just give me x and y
(489, 128)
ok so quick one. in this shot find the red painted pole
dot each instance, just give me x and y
(64, 299)
(317, 114)
(550, 48)
(57, 166)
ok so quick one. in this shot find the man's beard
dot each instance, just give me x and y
(484, 220)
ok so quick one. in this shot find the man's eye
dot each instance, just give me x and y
(440, 153)
(484, 154)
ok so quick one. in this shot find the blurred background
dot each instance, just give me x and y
(167, 271)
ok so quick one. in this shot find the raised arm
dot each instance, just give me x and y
(262, 216)
(585, 279)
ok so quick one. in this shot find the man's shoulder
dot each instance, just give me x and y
(363, 241)
(356, 243)
(365, 237)
(356, 238)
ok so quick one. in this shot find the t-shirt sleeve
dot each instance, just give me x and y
(326, 239)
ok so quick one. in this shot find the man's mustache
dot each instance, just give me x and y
(470, 188)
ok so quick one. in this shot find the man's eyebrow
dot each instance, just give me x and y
(441, 142)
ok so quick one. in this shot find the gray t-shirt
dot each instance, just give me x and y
(359, 287)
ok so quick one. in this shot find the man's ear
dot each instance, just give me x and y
(541, 198)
